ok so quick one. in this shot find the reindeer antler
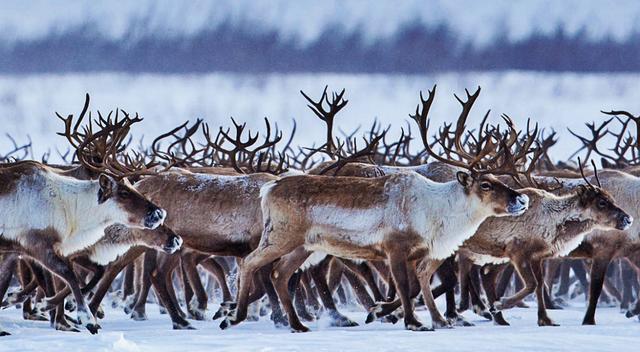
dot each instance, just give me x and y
(336, 104)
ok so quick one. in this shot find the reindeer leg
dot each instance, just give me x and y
(537, 267)
(599, 266)
(383, 309)
(523, 267)
(138, 312)
(189, 264)
(579, 270)
(319, 274)
(489, 274)
(363, 270)
(447, 273)
(628, 276)
(425, 270)
(261, 256)
(359, 289)
(110, 274)
(310, 293)
(212, 266)
(263, 276)
(42, 287)
(299, 300)
(7, 268)
(565, 281)
(399, 270)
(464, 270)
(60, 322)
(62, 268)
(161, 278)
(128, 284)
(475, 289)
(282, 272)
(634, 263)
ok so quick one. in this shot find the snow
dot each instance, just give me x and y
(558, 100)
(614, 332)
(476, 21)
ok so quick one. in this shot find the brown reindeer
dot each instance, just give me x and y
(400, 218)
(552, 227)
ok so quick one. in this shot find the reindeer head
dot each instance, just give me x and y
(597, 204)
(133, 209)
(162, 238)
(500, 198)
(487, 153)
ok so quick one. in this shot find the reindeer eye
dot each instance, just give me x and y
(123, 193)
(602, 203)
(486, 186)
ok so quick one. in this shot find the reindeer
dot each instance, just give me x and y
(75, 239)
(62, 226)
(402, 215)
(553, 226)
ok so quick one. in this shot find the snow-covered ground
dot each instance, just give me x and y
(614, 332)
(28, 103)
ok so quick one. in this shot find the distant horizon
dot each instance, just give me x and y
(281, 37)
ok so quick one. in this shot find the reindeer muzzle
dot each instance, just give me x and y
(173, 244)
(624, 222)
(519, 205)
(155, 218)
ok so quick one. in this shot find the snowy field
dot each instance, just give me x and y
(28, 103)
(119, 333)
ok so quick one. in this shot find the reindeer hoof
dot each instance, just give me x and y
(219, 313)
(418, 327)
(340, 320)
(299, 329)
(70, 306)
(498, 319)
(441, 324)
(93, 328)
(4, 333)
(546, 322)
(100, 313)
(630, 314)
(66, 327)
(183, 326)
(14, 298)
(36, 316)
(224, 309)
(458, 320)
(389, 319)
(371, 317)
(138, 316)
(279, 320)
(225, 324)
(586, 322)
(196, 315)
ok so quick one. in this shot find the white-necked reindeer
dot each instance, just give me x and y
(50, 216)
(402, 218)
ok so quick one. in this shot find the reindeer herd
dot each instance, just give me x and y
(297, 230)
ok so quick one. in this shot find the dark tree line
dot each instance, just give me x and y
(414, 49)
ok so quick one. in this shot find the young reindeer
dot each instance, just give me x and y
(553, 226)
(401, 218)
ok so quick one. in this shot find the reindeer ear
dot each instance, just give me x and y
(107, 187)
(464, 178)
